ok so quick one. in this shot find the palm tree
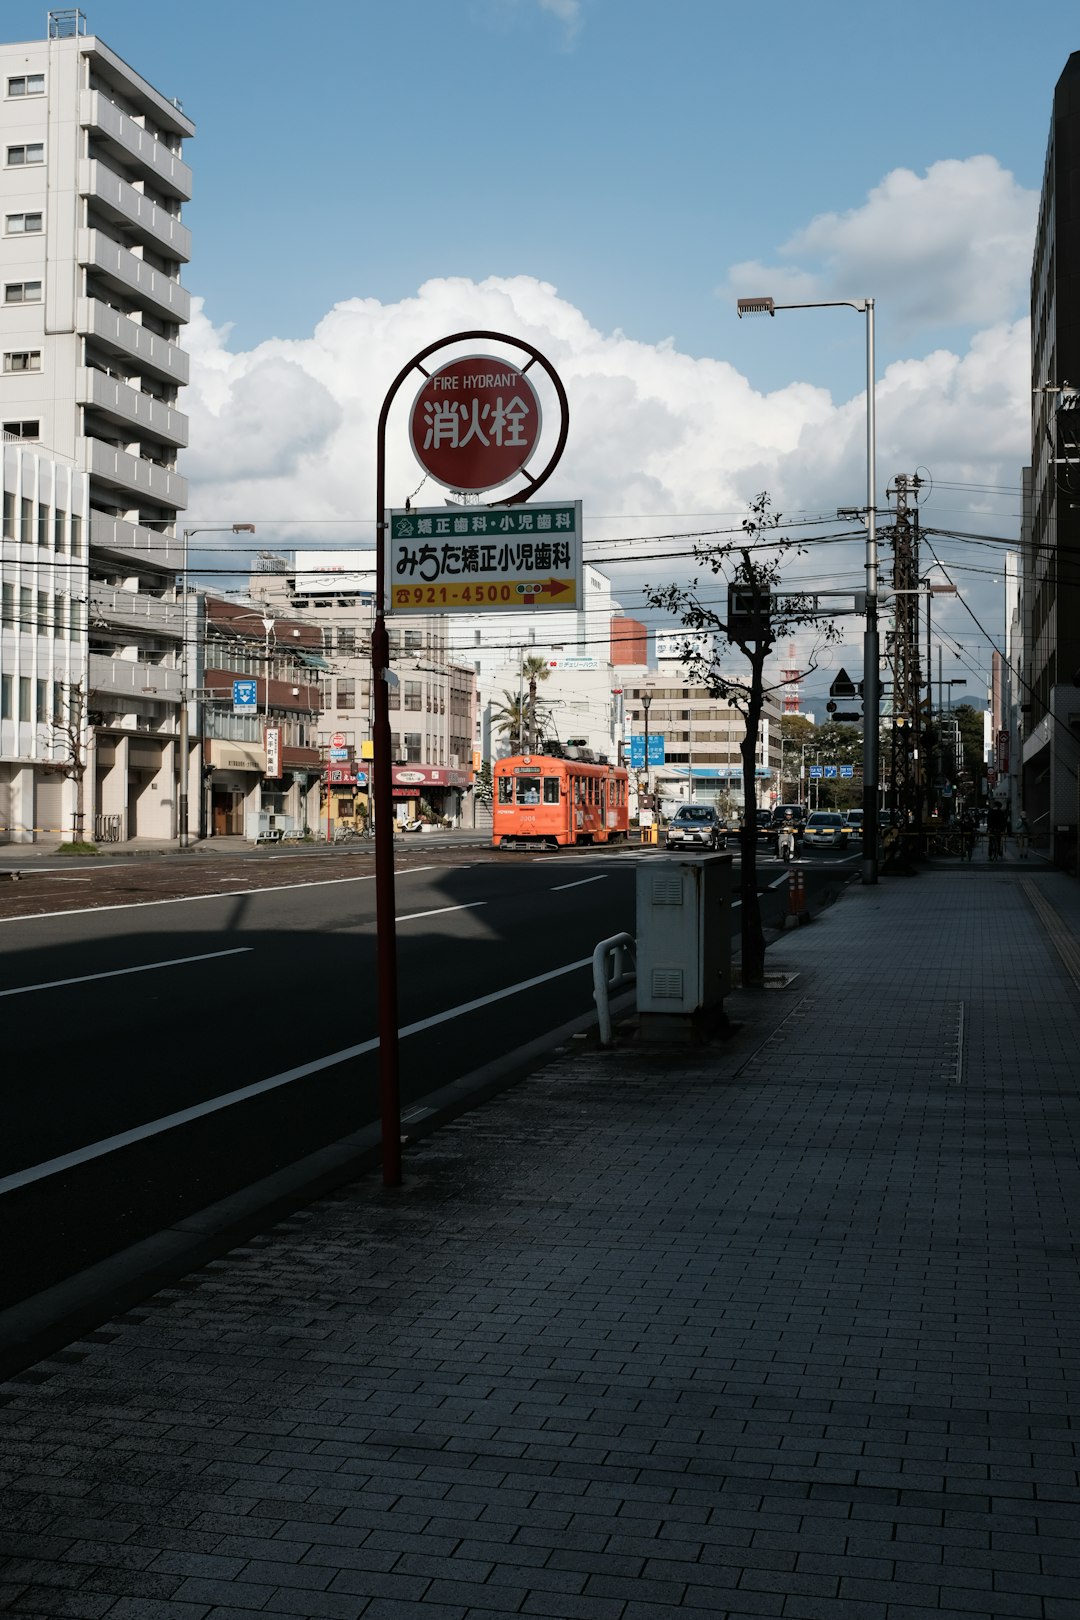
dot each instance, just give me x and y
(537, 669)
(520, 718)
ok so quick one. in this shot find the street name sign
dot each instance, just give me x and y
(483, 559)
(657, 755)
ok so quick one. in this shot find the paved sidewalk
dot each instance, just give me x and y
(783, 1327)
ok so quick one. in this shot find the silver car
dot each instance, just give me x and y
(824, 830)
(696, 826)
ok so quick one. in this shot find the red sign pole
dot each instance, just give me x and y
(381, 765)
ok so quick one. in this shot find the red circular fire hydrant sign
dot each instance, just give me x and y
(475, 423)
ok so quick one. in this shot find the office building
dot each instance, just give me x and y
(1050, 534)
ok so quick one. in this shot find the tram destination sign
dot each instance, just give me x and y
(483, 559)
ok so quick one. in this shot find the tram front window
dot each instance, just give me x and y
(528, 790)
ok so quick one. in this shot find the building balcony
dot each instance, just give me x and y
(131, 542)
(120, 335)
(135, 148)
(134, 412)
(131, 212)
(133, 277)
(134, 476)
(150, 615)
(124, 677)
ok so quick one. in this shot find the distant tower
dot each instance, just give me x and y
(791, 678)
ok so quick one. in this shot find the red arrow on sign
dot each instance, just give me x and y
(552, 587)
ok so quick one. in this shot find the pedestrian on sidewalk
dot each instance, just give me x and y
(996, 823)
(1023, 836)
(968, 828)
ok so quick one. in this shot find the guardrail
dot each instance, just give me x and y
(617, 948)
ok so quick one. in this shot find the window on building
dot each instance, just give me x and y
(24, 224)
(7, 610)
(393, 698)
(26, 608)
(414, 695)
(27, 512)
(42, 611)
(57, 715)
(22, 292)
(26, 84)
(9, 515)
(346, 694)
(19, 157)
(413, 747)
(41, 701)
(346, 639)
(24, 697)
(76, 533)
(58, 529)
(5, 698)
(22, 360)
(24, 430)
(42, 524)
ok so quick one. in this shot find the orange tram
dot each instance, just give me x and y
(544, 802)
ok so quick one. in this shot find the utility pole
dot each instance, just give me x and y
(904, 649)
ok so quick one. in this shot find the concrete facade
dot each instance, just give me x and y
(91, 308)
(1051, 531)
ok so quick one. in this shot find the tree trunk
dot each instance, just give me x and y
(752, 933)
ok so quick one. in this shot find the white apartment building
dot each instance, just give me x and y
(91, 308)
(702, 737)
(43, 564)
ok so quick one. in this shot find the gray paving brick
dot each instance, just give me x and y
(774, 1328)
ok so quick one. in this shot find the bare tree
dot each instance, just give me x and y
(67, 734)
(754, 618)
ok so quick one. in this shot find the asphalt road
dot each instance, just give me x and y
(163, 1050)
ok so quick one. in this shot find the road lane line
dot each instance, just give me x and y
(118, 973)
(214, 1105)
(227, 894)
(599, 878)
(468, 905)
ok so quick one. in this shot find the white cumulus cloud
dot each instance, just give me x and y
(950, 247)
(284, 434)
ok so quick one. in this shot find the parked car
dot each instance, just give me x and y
(824, 830)
(696, 826)
(853, 823)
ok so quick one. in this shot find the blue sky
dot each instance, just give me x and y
(630, 154)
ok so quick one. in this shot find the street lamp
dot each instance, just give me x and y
(185, 744)
(871, 696)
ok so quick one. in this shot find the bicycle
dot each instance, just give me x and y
(345, 834)
(996, 846)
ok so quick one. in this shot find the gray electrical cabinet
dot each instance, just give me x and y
(683, 944)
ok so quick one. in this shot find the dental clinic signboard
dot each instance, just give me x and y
(484, 559)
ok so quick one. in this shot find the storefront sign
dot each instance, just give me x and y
(273, 751)
(418, 776)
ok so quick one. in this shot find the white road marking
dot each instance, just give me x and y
(118, 973)
(580, 882)
(469, 905)
(188, 899)
(213, 1105)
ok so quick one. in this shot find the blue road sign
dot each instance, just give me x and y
(847, 770)
(245, 697)
(815, 770)
(637, 751)
(830, 770)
